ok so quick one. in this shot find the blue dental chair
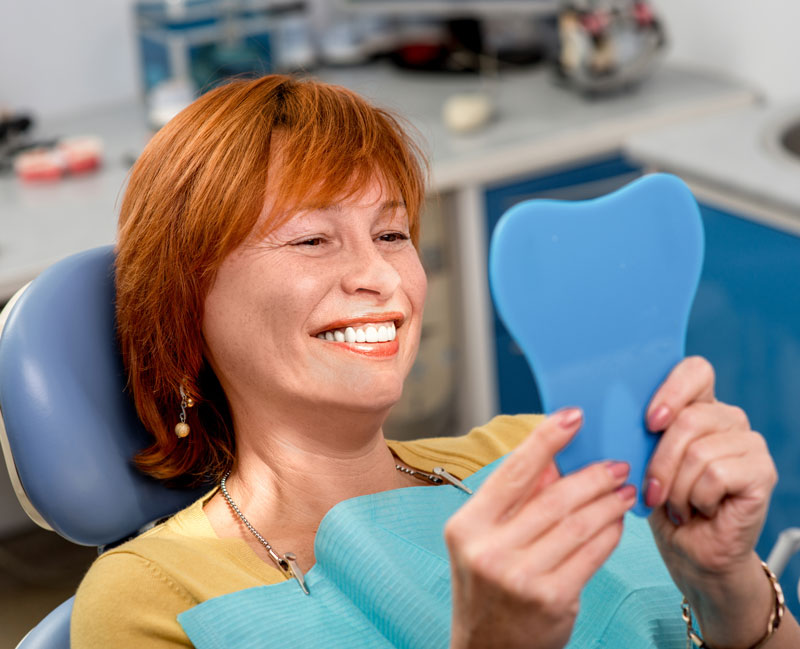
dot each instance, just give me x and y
(68, 429)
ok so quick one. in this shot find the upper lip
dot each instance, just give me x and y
(364, 319)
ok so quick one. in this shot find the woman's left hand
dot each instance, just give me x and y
(709, 483)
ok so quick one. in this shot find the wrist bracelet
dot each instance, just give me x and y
(774, 618)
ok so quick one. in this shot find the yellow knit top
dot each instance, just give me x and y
(132, 594)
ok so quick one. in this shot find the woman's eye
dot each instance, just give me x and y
(393, 236)
(313, 241)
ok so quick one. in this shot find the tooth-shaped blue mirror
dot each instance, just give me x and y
(597, 295)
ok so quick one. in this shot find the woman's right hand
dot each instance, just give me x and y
(526, 543)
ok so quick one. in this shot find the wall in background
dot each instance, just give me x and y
(61, 56)
(755, 42)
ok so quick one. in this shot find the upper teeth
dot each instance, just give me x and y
(367, 334)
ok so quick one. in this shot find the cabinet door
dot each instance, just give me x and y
(746, 321)
(516, 386)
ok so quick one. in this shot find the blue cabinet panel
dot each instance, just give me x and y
(746, 321)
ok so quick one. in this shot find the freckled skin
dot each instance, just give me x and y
(277, 292)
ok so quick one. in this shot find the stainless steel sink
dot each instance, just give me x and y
(790, 138)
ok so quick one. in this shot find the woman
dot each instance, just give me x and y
(269, 303)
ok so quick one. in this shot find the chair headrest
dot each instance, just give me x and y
(69, 424)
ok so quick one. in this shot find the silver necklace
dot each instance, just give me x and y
(438, 476)
(288, 562)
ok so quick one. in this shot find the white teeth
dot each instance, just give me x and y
(369, 334)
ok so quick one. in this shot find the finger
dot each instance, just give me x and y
(516, 478)
(699, 455)
(692, 423)
(577, 528)
(751, 475)
(552, 505)
(662, 526)
(565, 583)
(690, 380)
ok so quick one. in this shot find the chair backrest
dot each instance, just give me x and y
(68, 429)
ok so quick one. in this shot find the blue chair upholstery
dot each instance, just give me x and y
(66, 421)
(53, 631)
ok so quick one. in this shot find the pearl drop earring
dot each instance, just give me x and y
(182, 428)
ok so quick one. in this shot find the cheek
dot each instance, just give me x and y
(416, 283)
(235, 315)
(222, 315)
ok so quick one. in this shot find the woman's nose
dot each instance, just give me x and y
(368, 270)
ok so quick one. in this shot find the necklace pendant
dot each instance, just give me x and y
(439, 471)
(289, 564)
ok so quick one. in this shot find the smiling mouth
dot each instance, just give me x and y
(378, 332)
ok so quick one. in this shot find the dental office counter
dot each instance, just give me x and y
(543, 140)
(41, 222)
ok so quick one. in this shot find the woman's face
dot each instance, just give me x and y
(326, 310)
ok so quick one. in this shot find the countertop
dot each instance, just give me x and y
(736, 154)
(43, 222)
(537, 124)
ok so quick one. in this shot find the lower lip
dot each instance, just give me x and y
(374, 350)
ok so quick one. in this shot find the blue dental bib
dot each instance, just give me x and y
(382, 579)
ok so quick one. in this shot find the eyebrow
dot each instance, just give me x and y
(386, 206)
(392, 205)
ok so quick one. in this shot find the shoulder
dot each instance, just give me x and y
(466, 454)
(127, 600)
(131, 596)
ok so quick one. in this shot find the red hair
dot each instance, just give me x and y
(194, 195)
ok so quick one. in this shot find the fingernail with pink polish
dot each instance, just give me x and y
(618, 470)
(570, 417)
(652, 492)
(627, 492)
(658, 419)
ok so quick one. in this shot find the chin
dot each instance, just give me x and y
(376, 401)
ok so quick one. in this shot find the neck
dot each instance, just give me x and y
(288, 475)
